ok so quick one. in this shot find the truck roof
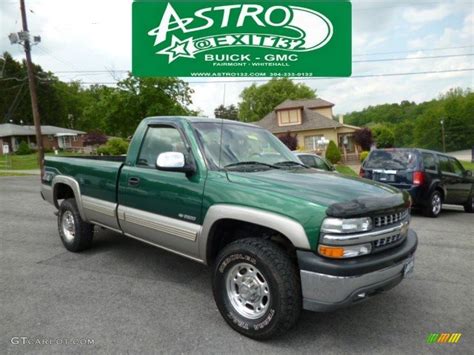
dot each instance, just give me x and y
(196, 119)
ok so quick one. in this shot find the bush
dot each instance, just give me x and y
(364, 138)
(290, 141)
(23, 149)
(332, 153)
(384, 137)
(114, 146)
(363, 156)
(95, 138)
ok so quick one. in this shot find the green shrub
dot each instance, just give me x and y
(332, 153)
(114, 146)
(363, 156)
(23, 149)
(384, 136)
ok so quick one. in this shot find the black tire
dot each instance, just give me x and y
(279, 273)
(76, 236)
(431, 210)
(469, 205)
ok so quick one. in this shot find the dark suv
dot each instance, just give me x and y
(430, 177)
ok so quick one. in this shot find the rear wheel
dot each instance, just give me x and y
(257, 288)
(435, 204)
(469, 206)
(75, 234)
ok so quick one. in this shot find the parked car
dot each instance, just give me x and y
(431, 178)
(315, 161)
(278, 235)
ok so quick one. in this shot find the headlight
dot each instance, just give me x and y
(346, 225)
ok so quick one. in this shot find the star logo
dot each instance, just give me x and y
(178, 49)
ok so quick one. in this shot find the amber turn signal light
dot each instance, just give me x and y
(331, 252)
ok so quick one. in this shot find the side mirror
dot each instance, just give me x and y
(173, 161)
(468, 173)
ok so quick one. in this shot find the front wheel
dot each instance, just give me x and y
(256, 288)
(434, 205)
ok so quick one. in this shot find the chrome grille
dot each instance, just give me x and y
(386, 241)
(382, 221)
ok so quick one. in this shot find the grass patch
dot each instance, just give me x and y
(24, 162)
(468, 165)
(29, 162)
(344, 169)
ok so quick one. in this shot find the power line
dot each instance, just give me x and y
(306, 79)
(91, 72)
(413, 58)
(411, 51)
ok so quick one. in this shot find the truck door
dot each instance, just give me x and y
(161, 207)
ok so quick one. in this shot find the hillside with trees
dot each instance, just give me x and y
(409, 124)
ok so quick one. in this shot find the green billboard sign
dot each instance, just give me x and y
(215, 38)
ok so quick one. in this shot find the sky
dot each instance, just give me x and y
(95, 35)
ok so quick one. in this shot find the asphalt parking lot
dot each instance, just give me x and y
(129, 297)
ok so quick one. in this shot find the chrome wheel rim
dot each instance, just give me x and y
(436, 204)
(68, 227)
(247, 290)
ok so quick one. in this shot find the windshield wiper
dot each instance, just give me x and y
(290, 163)
(241, 163)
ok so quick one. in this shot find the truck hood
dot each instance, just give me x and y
(343, 195)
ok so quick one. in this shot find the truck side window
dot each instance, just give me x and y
(159, 140)
(429, 161)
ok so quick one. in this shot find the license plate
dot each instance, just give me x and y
(386, 177)
(408, 268)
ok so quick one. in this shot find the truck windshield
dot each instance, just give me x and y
(242, 145)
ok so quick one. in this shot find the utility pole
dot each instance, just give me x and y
(443, 135)
(31, 82)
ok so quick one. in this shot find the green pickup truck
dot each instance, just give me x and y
(279, 236)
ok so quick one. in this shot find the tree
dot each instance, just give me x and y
(120, 110)
(419, 125)
(290, 141)
(332, 153)
(258, 101)
(114, 146)
(230, 112)
(363, 137)
(95, 138)
(384, 136)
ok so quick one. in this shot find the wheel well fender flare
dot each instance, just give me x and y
(59, 180)
(288, 227)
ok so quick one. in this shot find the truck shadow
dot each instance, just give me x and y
(118, 255)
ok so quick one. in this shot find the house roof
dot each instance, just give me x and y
(305, 103)
(310, 120)
(10, 129)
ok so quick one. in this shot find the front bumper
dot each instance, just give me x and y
(330, 284)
